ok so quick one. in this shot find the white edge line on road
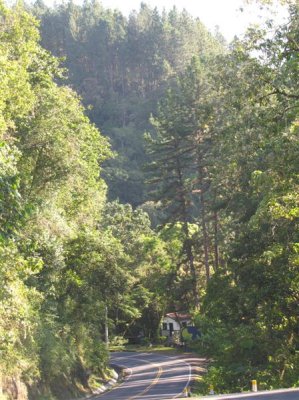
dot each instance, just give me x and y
(188, 382)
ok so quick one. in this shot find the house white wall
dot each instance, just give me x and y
(176, 325)
(174, 334)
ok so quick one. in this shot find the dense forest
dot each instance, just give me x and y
(121, 67)
(146, 166)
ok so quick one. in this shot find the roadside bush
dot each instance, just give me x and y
(118, 341)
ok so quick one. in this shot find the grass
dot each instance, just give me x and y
(143, 348)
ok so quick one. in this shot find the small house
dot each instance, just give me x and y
(173, 323)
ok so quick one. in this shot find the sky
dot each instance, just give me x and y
(223, 13)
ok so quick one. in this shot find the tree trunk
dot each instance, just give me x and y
(205, 236)
(106, 328)
(216, 244)
(204, 223)
(190, 257)
(187, 241)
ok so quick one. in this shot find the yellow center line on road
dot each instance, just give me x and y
(154, 382)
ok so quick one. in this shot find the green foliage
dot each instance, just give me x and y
(120, 66)
(50, 190)
(19, 307)
(226, 150)
(249, 328)
(223, 151)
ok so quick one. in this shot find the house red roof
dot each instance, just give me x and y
(179, 316)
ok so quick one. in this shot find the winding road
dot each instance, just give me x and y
(158, 376)
(151, 376)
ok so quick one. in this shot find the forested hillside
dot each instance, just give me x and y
(206, 177)
(121, 66)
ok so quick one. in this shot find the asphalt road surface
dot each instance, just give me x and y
(151, 376)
